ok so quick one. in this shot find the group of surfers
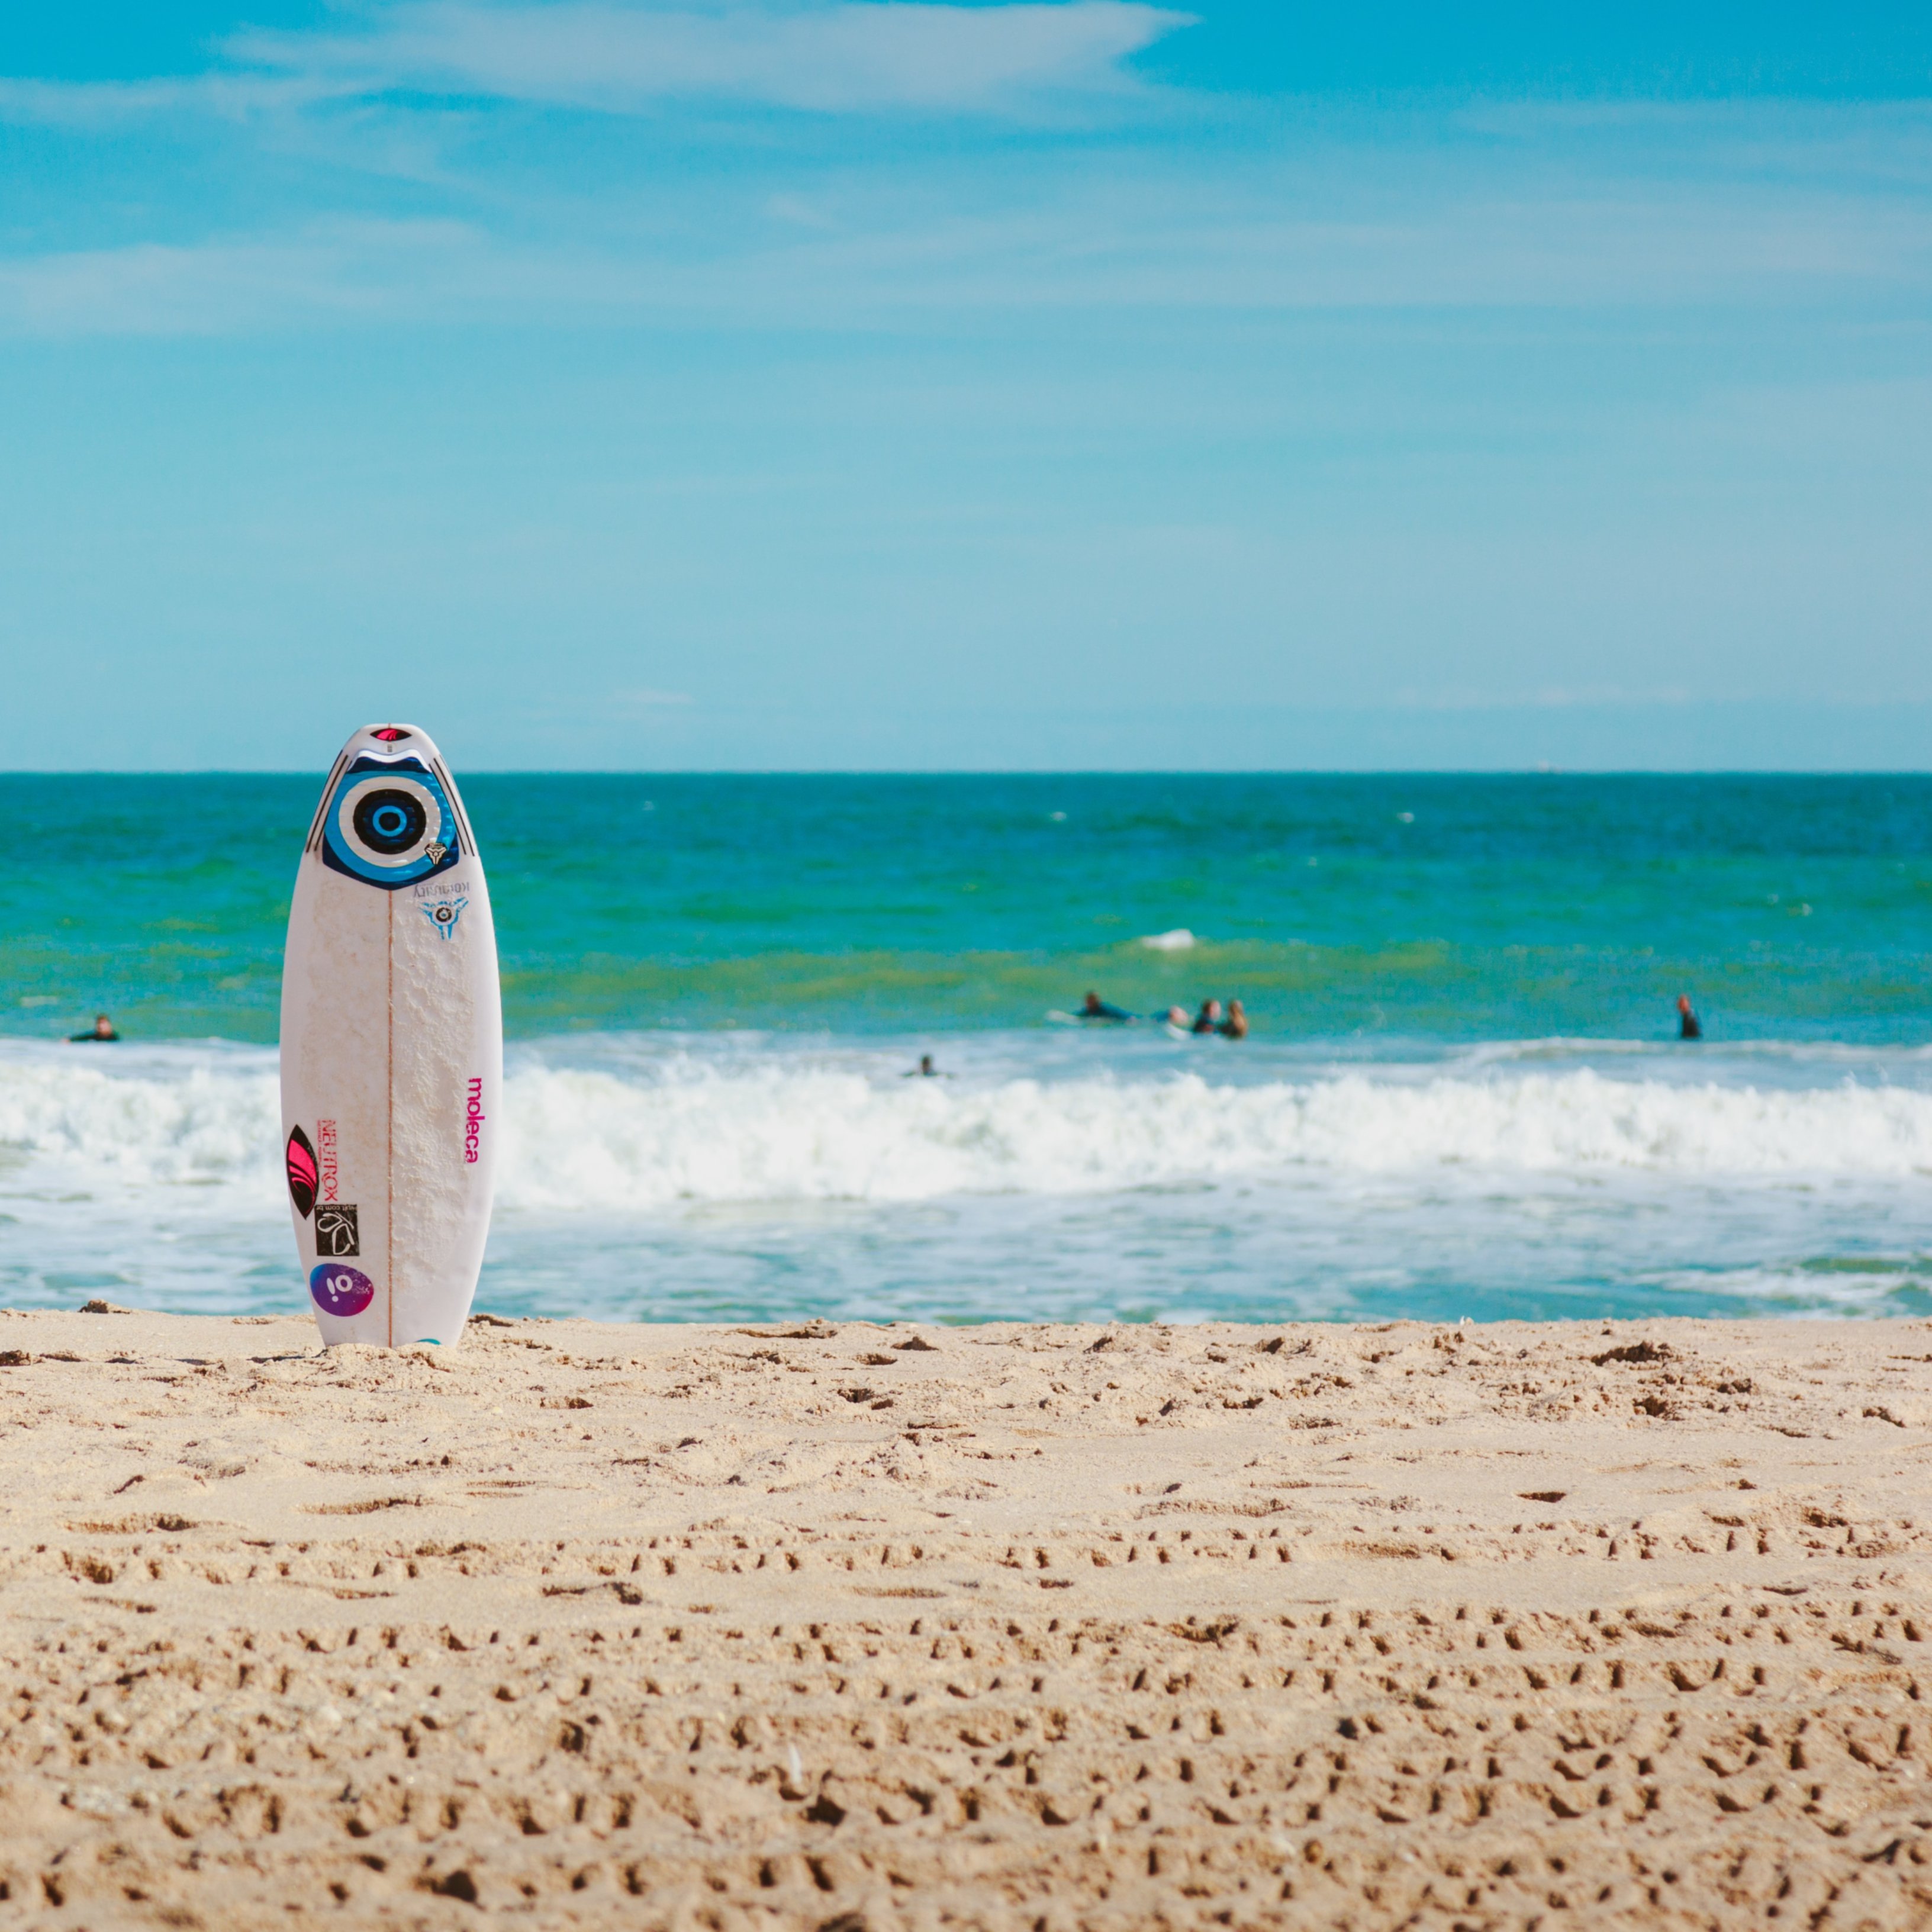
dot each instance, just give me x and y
(1231, 1022)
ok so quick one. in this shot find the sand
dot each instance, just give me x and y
(858, 1627)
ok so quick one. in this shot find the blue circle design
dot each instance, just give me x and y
(339, 857)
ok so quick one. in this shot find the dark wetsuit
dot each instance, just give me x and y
(1688, 1026)
(1100, 1010)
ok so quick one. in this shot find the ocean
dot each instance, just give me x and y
(1461, 1094)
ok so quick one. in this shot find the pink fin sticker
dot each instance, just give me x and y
(301, 1171)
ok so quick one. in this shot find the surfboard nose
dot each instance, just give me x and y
(391, 738)
(390, 817)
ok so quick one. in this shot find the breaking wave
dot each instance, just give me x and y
(589, 1138)
(779, 1127)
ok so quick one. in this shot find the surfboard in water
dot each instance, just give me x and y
(392, 1048)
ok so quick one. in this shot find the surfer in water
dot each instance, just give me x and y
(924, 1070)
(102, 1029)
(1095, 1008)
(1235, 1026)
(1689, 1027)
(1208, 1020)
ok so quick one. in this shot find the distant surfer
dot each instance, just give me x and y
(102, 1029)
(1235, 1026)
(1689, 1027)
(1176, 1018)
(924, 1070)
(1208, 1020)
(1095, 1008)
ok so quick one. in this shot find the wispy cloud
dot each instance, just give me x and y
(567, 218)
(1273, 243)
(330, 272)
(608, 57)
(102, 105)
(1551, 697)
(863, 55)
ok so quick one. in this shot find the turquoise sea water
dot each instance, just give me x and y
(1461, 1095)
(1446, 908)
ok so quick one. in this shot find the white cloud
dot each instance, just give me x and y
(1551, 697)
(864, 55)
(96, 104)
(1098, 240)
(1356, 215)
(329, 271)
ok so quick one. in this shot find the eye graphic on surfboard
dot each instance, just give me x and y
(391, 1047)
(389, 823)
(301, 1171)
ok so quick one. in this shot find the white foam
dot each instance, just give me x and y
(179, 1118)
(157, 1168)
(589, 1137)
(1178, 940)
(781, 1127)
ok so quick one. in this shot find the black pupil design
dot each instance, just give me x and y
(389, 821)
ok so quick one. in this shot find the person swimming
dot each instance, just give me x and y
(1208, 1020)
(1689, 1027)
(103, 1029)
(1176, 1018)
(1095, 1008)
(1235, 1026)
(924, 1070)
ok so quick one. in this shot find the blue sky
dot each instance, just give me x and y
(1091, 383)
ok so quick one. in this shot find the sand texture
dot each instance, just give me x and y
(862, 1627)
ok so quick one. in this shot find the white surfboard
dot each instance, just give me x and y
(392, 1048)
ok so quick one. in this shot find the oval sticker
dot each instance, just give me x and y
(339, 1290)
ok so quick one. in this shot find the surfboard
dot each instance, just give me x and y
(392, 1048)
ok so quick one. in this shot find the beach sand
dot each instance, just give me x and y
(852, 1627)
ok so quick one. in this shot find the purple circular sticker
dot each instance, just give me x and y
(339, 1289)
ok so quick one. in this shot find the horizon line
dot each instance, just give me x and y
(1534, 771)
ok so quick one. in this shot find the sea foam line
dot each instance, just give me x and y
(684, 1130)
(587, 1137)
